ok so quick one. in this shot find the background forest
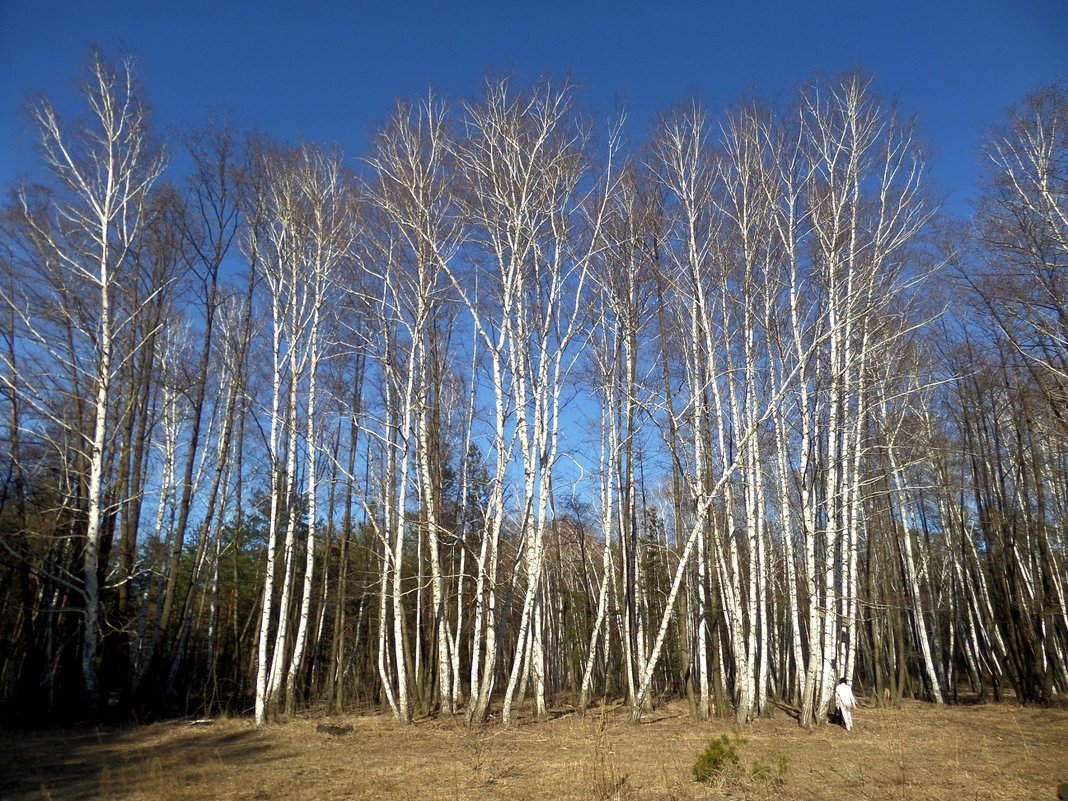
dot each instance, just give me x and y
(512, 409)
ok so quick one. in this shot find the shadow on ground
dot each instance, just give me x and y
(70, 764)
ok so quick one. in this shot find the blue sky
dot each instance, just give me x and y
(326, 70)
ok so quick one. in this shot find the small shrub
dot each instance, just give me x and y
(765, 772)
(720, 754)
(760, 771)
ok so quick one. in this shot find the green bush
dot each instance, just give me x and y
(765, 773)
(720, 754)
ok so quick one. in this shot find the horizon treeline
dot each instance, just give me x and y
(510, 413)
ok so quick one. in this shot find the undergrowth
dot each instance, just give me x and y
(721, 762)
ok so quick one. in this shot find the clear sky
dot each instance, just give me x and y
(331, 70)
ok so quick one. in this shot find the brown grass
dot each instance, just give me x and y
(915, 751)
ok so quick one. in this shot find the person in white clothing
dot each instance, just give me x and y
(845, 701)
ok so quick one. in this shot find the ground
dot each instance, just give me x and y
(913, 751)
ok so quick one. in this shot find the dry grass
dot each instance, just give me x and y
(916, 751)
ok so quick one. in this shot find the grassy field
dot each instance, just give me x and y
(914, 751)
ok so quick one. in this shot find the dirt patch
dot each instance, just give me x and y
(915, 751)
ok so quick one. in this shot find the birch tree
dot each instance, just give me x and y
(328, 235)
(535, 214)
(295, 271)
(1013, 426)
(415, 236)
(866, 206)
(104, 169)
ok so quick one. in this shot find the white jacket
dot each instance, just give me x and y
(843, 697)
